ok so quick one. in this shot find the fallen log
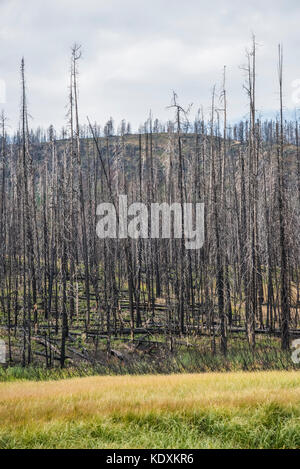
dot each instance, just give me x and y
(117, 354)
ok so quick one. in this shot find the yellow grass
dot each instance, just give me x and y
(32, 408)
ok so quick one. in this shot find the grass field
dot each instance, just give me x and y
(213, 410)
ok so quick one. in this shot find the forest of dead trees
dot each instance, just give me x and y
(58, 280)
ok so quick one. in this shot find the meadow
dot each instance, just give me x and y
(208, 410)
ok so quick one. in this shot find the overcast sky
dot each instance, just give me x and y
(136, 52)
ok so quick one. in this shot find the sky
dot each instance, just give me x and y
(135, 53)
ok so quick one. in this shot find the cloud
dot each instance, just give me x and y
(135, 53)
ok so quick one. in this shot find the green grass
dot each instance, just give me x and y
(195, 358)
(215, 410)
(269, 427)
